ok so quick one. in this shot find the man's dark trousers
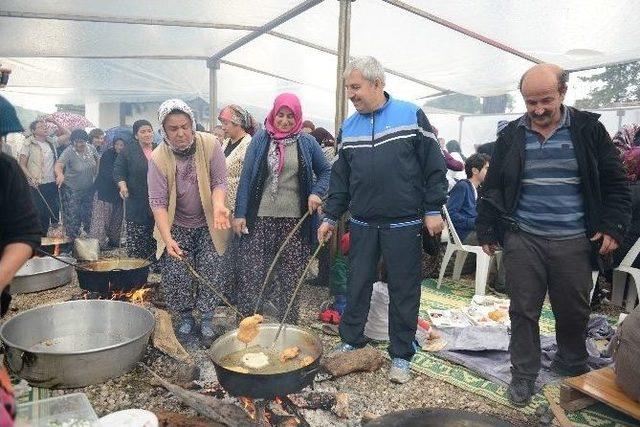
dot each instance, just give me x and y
(401, 249)
(535, 266)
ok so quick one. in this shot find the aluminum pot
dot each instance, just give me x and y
(77, 343)
(39, 274)
(267, 386)
(118, 274)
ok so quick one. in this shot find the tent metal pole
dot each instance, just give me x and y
(335, 53)
(302, 7)
(125, 20)
(460, 119)
(213, 94)
(344, 39)
(462, 30)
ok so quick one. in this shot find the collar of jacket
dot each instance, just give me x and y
(382, 108)
(578, 119)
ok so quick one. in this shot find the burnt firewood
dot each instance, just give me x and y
(338, 403)
(366, 359)
(223, 413)
(165, 340)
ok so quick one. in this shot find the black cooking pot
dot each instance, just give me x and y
(267, 386)
(118, 274)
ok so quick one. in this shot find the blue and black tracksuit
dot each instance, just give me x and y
(389, 174)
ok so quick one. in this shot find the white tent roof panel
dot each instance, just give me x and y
(45, 51)
(243, 12)
(571, 33)
(53, 38)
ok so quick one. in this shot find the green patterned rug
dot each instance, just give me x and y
(453, 295)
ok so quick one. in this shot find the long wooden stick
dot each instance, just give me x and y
(275, 259)
(220, 295)
(295, 292)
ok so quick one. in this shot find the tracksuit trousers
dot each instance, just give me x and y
(401, 250)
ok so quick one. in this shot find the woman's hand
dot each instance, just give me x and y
(325, 231)
(124, 191)
(314, 202)
(59, 180)
(220, 217)
(173, 249)
(34, 182)
(240, 226)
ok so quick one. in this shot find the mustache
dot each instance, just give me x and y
(540, 116)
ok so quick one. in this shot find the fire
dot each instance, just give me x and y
(248, 406)
(136, 297)
(56, 249)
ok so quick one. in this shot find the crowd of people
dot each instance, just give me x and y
(550, 192)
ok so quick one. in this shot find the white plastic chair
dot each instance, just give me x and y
(621, 274)
(454, 244)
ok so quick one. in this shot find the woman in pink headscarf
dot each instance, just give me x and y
(285, 173)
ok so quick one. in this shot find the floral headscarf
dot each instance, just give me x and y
(165, 109)
(241, 117)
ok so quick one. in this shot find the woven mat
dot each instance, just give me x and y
(454, 295)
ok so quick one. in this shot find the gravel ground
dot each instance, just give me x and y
(368, 392)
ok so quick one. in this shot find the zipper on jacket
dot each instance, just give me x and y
(373, 154)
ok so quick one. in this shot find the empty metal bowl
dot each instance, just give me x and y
(77, 343)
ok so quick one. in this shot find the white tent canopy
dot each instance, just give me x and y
(74, 51)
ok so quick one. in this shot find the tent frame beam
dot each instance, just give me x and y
(125, 20)
(188, 24)
(292, 13)
(455, 27)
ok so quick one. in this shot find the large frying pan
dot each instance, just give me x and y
(267, 386)
(117, 274)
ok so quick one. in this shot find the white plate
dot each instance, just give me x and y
(130, 418)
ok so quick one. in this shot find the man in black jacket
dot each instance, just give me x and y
(390, 174)
(555, 198)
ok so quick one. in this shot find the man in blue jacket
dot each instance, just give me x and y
(390, 174)
(462, 198)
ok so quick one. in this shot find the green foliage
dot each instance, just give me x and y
(619, 84)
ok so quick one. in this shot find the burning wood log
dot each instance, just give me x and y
(366, 359)
(338, 403)
(165, 340)
(279, 416)
(223, 413)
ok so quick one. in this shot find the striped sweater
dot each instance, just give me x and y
(551, 202)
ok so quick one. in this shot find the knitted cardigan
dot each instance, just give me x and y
(234, 168)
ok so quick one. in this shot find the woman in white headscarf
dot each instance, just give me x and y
(187, 181)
